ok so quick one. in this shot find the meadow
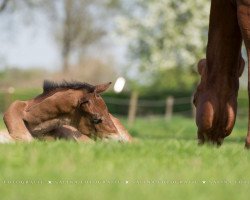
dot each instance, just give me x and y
(163, 162)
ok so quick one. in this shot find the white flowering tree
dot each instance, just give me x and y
(164, 35)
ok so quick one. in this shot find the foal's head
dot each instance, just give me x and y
(95, 116)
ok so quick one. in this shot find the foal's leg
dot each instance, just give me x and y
(123, 133)
(13, 119)
(70, 133)
(243, 10)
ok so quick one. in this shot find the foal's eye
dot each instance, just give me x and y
(84, 101)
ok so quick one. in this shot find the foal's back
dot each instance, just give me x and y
(60, 103)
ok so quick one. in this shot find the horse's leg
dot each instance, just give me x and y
(243, 11)
(70, 133)
(13, 119)
(201, 137)
(123, 133)
(215, 120)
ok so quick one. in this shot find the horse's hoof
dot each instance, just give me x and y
(247, 145)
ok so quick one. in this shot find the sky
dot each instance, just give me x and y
(29, 49)
(25, 44)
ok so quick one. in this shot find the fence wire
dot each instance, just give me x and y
(148, 103)
(180, 105)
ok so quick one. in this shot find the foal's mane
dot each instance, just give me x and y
(51, 87)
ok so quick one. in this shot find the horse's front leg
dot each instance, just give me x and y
(69, 133)
(200, 137)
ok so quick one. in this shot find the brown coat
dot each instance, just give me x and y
(216, 95)
(60, 107)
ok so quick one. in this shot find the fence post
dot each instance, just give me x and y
(169, 108)
(132, 108)
(193, 107)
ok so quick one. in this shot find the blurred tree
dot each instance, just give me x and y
(163, 35)
(16, 5)
(76, 27)
(3, 5)
(76, 24)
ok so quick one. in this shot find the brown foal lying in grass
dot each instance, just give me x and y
(70, 110)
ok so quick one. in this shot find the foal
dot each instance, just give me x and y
(73, 104)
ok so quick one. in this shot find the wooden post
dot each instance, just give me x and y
(193, 108)
(132, 108)
(169, 108)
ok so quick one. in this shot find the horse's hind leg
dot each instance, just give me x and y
(243, 11)
(13, 119)
(124, 135)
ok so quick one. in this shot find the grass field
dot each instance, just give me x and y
(164, 163)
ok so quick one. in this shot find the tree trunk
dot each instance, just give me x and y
(3, 5)
(67, 36)
(65, 58)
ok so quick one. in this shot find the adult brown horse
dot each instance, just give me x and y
(60, 108)
(216, 95)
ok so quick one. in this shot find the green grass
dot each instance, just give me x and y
(163, 151)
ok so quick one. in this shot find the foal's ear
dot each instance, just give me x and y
(102, 87)
(202, 64)
(241, 66)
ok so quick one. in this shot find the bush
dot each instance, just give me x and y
(149, 103)
(19, 94)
